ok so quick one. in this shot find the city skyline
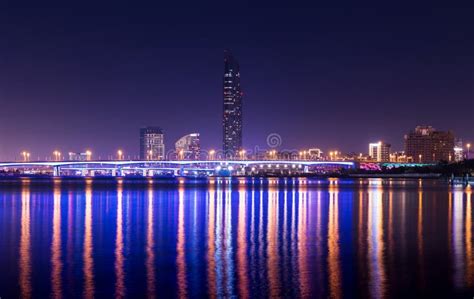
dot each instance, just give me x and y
(237, 149)
(72, 89)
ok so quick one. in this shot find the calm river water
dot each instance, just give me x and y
(336, 238)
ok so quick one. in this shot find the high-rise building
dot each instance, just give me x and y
(232, 116)
(152, 145)
(379, 151)
(188, 147)
(426, 145)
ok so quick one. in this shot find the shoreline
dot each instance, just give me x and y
(165, 178)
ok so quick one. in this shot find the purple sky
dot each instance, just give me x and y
(334, 77)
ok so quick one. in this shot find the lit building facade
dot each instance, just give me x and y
(458, 151)
(152, 145)
(379, 151)
(232, 114)
(400, 157)
(427, 145)
(188, 147)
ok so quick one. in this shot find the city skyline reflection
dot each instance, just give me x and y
(279, 239)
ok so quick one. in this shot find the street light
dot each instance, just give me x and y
(26, 156)
(211, 154)
(88, 155)
(242, 154)
(120, 154)
(57, 155)
(274, 154)
(150, 154)
(468, 148)
(419, 158)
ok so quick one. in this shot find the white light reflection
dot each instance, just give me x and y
(376, 246)
(56, 263)
(457, 240)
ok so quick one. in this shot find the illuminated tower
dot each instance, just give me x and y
(232, 116)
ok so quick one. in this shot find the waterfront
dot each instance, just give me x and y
(260, 238)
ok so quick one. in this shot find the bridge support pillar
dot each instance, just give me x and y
(116, 172)
(56, 171)
(147, 172)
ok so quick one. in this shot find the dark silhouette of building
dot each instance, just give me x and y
(152, 145)
(232, 116)
(426, 145)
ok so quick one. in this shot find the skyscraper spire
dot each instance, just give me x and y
(232, 114)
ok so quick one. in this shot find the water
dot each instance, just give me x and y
(306, 238)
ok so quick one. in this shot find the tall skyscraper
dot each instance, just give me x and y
(188, 147)
(379, 151)
(426, 145)
(232, 116)
(152, 145)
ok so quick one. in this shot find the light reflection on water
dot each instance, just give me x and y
(56, 248)
(88, 245)
(334, 238)
(25, 244)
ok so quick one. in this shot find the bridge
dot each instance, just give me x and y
(174, 168)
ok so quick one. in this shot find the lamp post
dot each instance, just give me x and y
(211, 154)
(274, 154)
(468, 148)
(57, 155)
(419, 158)
(119, 154)
(242, 154)
(88, 155)
(26, 156)
(150, 154)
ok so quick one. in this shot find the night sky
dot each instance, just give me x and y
(89, 75)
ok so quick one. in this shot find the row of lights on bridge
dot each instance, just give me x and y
(333, 155)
